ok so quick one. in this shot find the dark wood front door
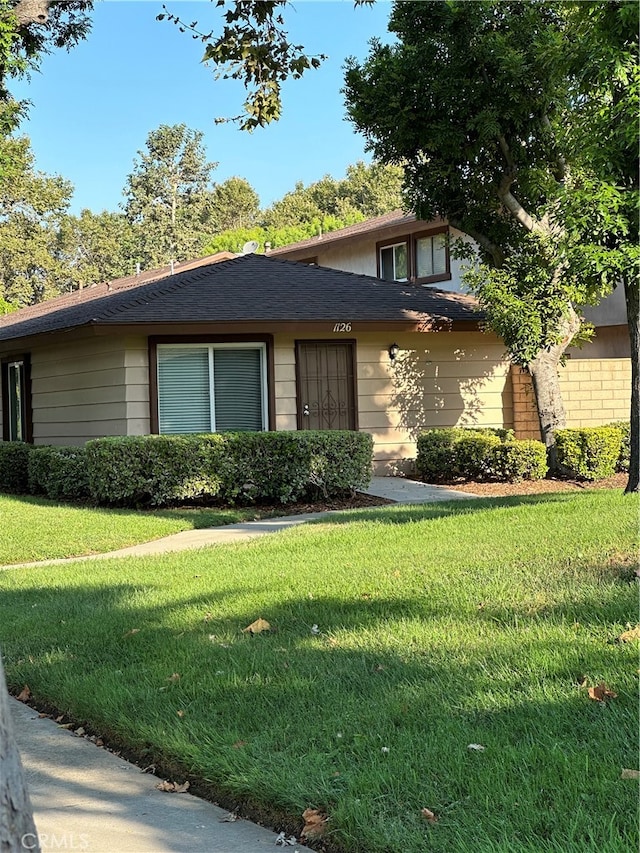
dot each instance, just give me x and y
(326, 384)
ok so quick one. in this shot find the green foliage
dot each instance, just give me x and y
(478, 454)
(155, 470)
(14, 467)
(233, 241)
(58, 472)
(169, 196)
(591, 453)
(253, 48)
(32, 206)
(625, 444)
(235, 204)
(93, 248)
(229, 467)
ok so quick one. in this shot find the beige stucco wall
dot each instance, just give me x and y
(438, 379)
(359, 255)
(89, 388)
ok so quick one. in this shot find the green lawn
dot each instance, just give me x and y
(38, 529)
(438, 627)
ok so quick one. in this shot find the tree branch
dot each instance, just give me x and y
(530, 223)
(492, 249)
(31, 11)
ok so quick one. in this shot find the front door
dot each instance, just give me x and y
(326, 386)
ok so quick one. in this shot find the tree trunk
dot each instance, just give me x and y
(632, 296)
(546, 385)
(17, 829)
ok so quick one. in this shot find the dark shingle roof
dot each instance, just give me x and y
(250, 288)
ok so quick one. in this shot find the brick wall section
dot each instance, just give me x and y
(595, 392)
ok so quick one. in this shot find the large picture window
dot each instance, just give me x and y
(212, 388)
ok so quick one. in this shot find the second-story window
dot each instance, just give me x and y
(422, 257)
(394, 262)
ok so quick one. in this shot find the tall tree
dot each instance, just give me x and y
(169, 196)
(32, 206)
(235, 204)
(469, 103)
(600, 57)
(94, 247)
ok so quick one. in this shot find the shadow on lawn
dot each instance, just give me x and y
(286, 694)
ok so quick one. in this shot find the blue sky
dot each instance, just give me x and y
(92, 107)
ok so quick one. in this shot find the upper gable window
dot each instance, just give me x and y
(394, 262)
(431, 256)
(422, 257)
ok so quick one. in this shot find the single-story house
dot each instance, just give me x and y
(258, 342)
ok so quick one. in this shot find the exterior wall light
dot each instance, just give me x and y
(394, 349)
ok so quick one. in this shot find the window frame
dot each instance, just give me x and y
(26, 413)
(411, 241)
(262, 342)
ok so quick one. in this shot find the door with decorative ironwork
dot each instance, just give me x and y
(326, 384)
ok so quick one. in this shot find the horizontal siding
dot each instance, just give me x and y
(90, 388)
(438, 380)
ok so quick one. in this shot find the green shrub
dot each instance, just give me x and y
(625, 445)
(478, 454)
(515, 460)
(230, 467)
(58, 472)
(14, 467)
(435, 457)
(153, 469)
(589, 453)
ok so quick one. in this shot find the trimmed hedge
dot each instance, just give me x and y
(230, 467)
(58, 472)
(478, 454)
(625, 444)
(14, 467)
(590, 453)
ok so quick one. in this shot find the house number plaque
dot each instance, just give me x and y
(342, 327)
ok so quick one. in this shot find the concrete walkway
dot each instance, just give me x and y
(86, 798)
(397, 489)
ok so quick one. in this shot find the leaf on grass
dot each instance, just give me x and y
(429, 816)
(180, 713)
(315, 629)
(173, 678)
(60, 718)
(630, 774)
(315, 823)
(173, 787)
(601, 692)
(476, 747)
(257, 627)
(239, 744)
(630, 635)
(132, 632)
(24, 695)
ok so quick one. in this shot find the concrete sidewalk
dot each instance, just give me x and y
(85, 798)
(397, 489)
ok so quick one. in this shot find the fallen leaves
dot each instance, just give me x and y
(257, 627)
(173, 678)
(24, 695)
(429, 816)
(283, 841)
(630, 635)
(132, 632)
(630, 774)
(173, 787)
(232, 817)
(601, 692)
(315, 823)
(476, 747)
